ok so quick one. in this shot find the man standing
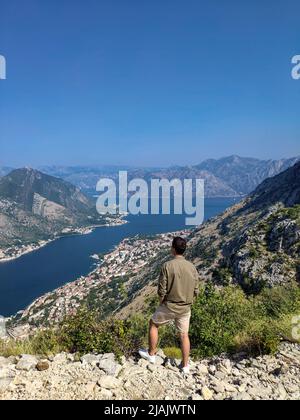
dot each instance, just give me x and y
(177, 288)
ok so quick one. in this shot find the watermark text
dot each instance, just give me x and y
(296, 68)
(156, 196)
(2, 67)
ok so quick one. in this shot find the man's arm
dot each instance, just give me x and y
(163, 283)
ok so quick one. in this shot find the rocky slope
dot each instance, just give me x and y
(101, 377)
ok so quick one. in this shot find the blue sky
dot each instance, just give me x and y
(152, 83)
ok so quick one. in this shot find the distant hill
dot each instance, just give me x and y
(35, 206)
(244, 174)
(227, 177)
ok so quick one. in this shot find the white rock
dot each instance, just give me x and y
(202, 369)
(109, 382)
(5, 383)
(27, 362)
(206, 393)
(109, 366)
(90, 359)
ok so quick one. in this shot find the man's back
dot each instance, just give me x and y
(178, 284)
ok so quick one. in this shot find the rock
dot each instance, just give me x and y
(292, 388)
(13, 360)
(212, 369)
(230, 388)
(224, 366)
(4, 362)
(196, 397)
(42, 365)
(109, 382)
(242, 396)
(281, 391)
(5, 383)
(90, 387)
(27, 362)
(109, 365)
(206, 393)
(202, 369)
(60, 358)
(90, 359)
(218, 387)
(220, 375)
(106, 394)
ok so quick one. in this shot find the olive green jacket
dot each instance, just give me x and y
(178, 284)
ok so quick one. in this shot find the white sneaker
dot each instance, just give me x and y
(185, 370)
(145, 355)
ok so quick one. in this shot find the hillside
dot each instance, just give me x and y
(35, 207)
(254, 244)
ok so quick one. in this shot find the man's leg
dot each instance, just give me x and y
(153, 338)
(185, 348)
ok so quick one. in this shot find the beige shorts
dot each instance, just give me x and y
(164, 316)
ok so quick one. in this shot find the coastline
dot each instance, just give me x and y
(109, 266)
(27, 249)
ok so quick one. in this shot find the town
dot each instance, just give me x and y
(130, 256)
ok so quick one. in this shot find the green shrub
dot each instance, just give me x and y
(172, 352)
(216, 317)
(227, 320)
(85, 333)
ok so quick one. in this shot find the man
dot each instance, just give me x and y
(177, 288)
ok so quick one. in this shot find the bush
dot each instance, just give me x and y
(216, 317)
(227, 320)
(85, 333)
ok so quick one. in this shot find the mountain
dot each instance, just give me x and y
(35, 206)
(254, 244)
(34, 192)
(244, 174)
(227, 177)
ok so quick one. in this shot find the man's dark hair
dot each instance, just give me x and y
(179, 244)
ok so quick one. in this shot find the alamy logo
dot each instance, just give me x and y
(296, 68)
(134, 197)
(2, 67)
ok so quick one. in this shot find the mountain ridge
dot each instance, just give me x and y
(226, 177)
